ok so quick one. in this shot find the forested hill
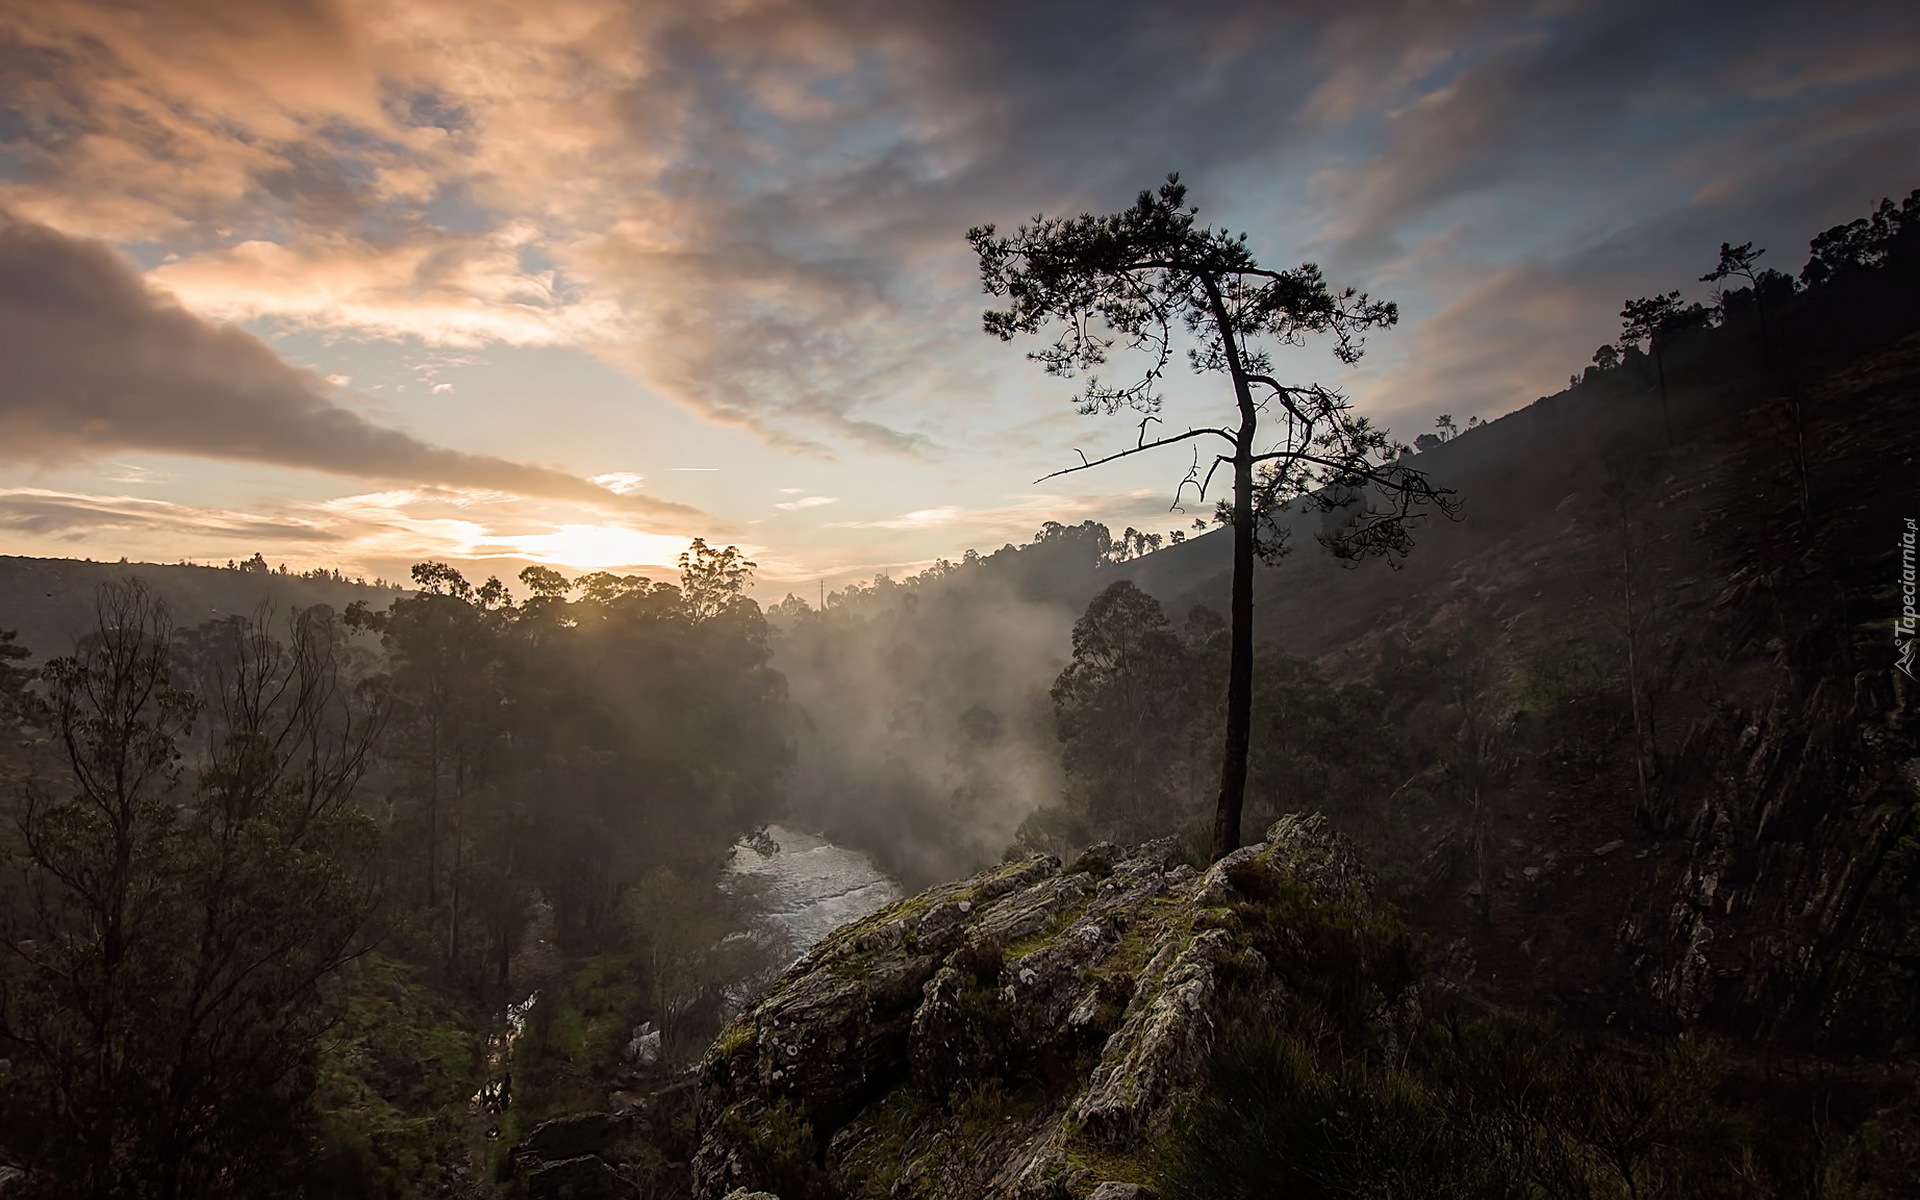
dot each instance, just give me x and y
(1830, 339)
(49, 602)
(930, 734)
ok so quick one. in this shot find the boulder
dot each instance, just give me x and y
(644, 1048)
(582, 1178)
(570, 1136)
(993, 1036)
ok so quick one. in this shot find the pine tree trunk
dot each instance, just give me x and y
(1233, 758)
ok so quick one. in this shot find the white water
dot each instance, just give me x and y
(811, 887)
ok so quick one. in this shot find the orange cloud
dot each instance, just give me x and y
(96, 362)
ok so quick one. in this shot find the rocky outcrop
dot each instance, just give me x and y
(643, 1150)
(1029, 1032)
(1783, 909)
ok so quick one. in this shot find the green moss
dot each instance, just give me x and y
(1097, 865)
(735, 1040)
(1348, 964)
(1135, 1165)
(1153, 924)
(1037, 941)
(778, 1150)
(452, 1051)
(853, 966)
(1499, 1106)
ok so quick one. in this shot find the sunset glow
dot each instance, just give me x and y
(644, 271)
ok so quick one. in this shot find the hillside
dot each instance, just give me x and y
(50, 601)
(1694, 796)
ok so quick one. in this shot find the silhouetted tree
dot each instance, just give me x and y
(1655, 320)
(1625, 494)
(712, 580)
(1888, 237)
(1738, 262)
(1478, 755)
(1146, 277)
(1317, 744)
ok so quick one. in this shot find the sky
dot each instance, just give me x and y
(571, 282)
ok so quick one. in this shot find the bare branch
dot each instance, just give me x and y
(1085, 463)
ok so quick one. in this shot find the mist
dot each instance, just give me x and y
(924, 734)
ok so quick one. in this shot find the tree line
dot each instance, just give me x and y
(213, 822)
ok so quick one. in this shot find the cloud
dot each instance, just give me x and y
(755, 209)
(371, 531)
(923, 518)
(96, 361)
(1026, 514)
(806, 502)
(1609, 98)
(623, 483)
(412, 523)
(138, 120)
(132, 473)
(444, 289)
(75, 517)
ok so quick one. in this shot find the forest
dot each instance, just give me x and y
(1624, 743)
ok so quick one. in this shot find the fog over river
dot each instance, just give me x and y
(811, 886)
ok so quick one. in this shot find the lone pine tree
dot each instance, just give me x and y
(1147, 279)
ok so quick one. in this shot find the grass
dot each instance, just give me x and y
(1496, 1107)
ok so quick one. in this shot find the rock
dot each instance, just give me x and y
(582, 1178)
(1608, 848)
(644, 1049)
(744, 1194)
(889, 1054)
(1159, 1050)
(570, 1137)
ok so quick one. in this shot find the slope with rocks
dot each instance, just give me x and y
(1028, 1032)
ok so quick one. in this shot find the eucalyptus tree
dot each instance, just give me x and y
(1150, 281)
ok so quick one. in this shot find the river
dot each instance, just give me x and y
(809, 886)
(805, 887)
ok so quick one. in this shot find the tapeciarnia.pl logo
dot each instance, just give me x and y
(1904, 643)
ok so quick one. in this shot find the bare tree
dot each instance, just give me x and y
(161, 984)
(1147, 278)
